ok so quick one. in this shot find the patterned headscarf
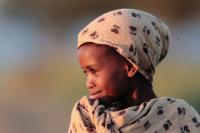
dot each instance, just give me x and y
(140, 37)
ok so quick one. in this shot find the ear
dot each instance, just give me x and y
(131, 69)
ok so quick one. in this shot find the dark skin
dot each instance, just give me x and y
(111, 78)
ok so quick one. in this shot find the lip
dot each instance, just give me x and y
(95, 94)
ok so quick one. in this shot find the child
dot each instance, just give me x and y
(119, 52)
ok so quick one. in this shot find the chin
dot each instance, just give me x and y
(107, 100)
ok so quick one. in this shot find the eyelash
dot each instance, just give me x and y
(93, 71)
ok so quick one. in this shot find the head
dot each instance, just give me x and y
(109, 75)
(138, 42)
(137, 35)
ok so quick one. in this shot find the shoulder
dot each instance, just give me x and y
(177, 106)
(172, 102)
(180, 112)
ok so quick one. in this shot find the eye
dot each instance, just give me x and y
(94, 71)
(84, 72)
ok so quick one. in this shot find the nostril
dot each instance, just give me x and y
(90, 85)
(90, 82)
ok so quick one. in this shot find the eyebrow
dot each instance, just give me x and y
(92, 66)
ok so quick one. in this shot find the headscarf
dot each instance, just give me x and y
(159, 115)
(140, 37)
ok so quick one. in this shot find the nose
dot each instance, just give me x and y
(90, 82)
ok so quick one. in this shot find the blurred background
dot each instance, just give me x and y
(40, 79)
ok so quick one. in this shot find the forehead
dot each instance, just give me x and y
(101, 53)
(93, 49)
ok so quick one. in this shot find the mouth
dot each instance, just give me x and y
(95, 94)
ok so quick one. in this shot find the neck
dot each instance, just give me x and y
(140, 92)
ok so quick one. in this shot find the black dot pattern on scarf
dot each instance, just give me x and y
(160, 110)
(91, 101)
(185, 129)
(100, 112)
(181, 111)
(108, 126)
(132, 28)
(135, 15)
(122, 112)
(94, 35)
(93, 112)
(158, 41)
(119, 13)
(131, 48)
(153, 23)
(103, 124)
(167, 125)
(147, 124)
(101, 19)
(170, 100)
(146, 30)
(194, 119)
(90, 130)
(83, 107)
(84, 31)
(115, 29)
(146, 51)
(167, 38)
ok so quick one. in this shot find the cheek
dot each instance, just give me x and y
(111, 83)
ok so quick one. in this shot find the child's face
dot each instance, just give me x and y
(106, 76)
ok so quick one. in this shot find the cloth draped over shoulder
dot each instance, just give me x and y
(140, 37)
(159, 115)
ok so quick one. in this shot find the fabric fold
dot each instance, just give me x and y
(159, 115)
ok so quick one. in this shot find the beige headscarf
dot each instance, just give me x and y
(140, 37)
